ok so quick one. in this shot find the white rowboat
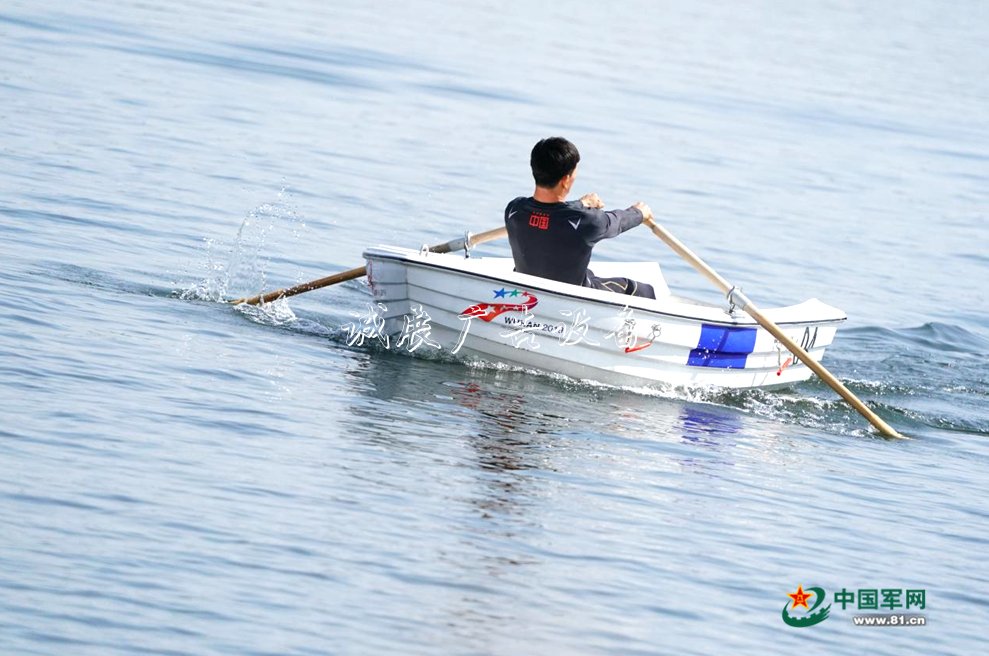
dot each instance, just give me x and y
(480, 306)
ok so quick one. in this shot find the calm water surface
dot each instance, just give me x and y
(181, 477)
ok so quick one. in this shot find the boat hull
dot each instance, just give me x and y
(480, 307)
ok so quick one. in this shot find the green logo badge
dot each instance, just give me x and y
(811, 614)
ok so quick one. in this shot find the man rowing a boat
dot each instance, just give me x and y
(553, 238)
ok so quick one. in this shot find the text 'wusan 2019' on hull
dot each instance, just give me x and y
(480, 306)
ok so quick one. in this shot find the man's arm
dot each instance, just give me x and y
(614, 222)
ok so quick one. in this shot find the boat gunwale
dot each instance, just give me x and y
(636, 303)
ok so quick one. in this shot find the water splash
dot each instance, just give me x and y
(241, 269)
(276, 313)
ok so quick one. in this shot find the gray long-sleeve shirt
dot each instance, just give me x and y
(554, 240)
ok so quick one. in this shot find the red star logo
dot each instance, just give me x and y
(800, 598)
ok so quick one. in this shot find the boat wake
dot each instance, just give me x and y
(99, 280)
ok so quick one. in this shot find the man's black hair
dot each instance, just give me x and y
(552, 159)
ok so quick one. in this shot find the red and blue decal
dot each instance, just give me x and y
(722, 346)
(488, 311)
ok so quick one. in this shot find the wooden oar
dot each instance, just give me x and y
(736, 296)
(467, 241)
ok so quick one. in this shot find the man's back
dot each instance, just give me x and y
(554, 240)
